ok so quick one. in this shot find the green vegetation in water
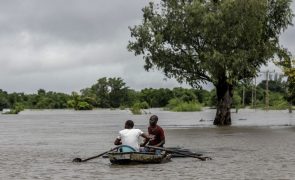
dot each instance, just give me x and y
(236, 103)
(122, 107)
(136, 109)
(144, 105)
(18, 107)
(277, 101)
(180, 106)
(83, 106)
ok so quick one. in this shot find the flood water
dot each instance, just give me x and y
(42, 144)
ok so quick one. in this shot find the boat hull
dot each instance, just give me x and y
(137, 158)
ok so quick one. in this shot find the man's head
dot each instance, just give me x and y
(129, 124)
(153, 120)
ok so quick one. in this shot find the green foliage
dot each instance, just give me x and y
(71, 104)
(179, 105)
(202, 95)
(90, 100)
(236, 101)
(122, 107)
(108, 92)
(185, 95)
(288, 66)
(144, 105)
(277, 101)
(173, 103)
(18, 107)
(136, 109)
(229, 39)
(155, 97)
(131, 98)
(82, 105)
(43, 103)
(277, 86)
(210, 99)
(138, 106)
(249, 89)
(139, 100)
(3, 100)
(118, 91)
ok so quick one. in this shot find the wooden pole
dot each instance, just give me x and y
(266, 92)
(255, 93)
(243, 96)
(252, 96)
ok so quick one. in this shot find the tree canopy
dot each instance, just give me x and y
(217, 41)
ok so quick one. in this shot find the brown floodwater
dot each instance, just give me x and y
(42, 144)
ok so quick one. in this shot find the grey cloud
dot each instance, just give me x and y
(287, 38)
(44, 36)
(66, 45)
(75, 21)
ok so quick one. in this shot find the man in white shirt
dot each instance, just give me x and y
(130, 136)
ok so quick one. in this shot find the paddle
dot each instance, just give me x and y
(93, 157)
(177, 152)
(185, 151)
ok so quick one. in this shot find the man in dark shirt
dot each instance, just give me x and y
(156, 134)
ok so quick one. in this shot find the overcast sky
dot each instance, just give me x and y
(66, 45)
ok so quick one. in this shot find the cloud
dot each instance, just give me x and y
(24, 57)
(63, 45)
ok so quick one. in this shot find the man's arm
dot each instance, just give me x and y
(118, 141)
(146, 139)
(160, 143)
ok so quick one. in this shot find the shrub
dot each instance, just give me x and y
(122, 107)
(180, 106)
(144, 105)
(18, 107)
(136, 109)
(71, 104)
(83, 106)
(173, 103)
(279, 105)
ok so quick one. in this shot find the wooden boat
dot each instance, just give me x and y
(137, 158)
(185, 153)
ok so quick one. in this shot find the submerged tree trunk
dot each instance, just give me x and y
(224, 92)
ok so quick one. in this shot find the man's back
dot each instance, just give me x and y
(130, 137)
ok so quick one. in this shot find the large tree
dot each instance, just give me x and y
(217, 41)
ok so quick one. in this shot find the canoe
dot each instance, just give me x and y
(175, 155)
(137, 158)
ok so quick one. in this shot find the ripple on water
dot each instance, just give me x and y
(42, 144)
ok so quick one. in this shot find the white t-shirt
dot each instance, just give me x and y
(130, 137)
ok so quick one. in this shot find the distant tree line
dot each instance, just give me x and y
(113, 93)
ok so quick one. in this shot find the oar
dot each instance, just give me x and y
(177, 152)
(93, 157)
(185, 151)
